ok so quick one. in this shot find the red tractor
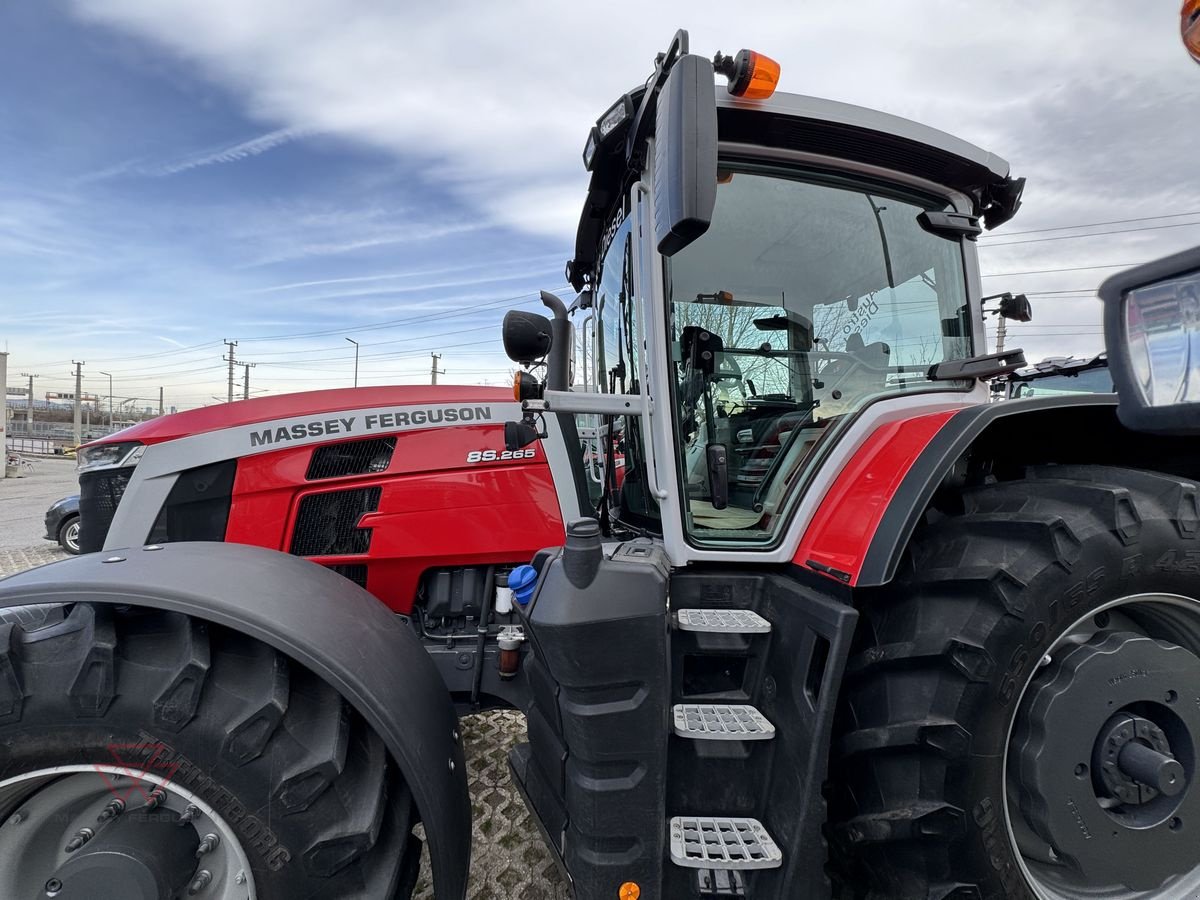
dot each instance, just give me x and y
(837, 626)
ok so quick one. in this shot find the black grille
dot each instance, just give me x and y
(351, 458)
(356, 573)
(99, 496)
(327, 524)
(197, 509)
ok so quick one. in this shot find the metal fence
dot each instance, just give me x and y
(34, 446)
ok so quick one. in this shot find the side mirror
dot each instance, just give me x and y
(1152, 334)
(1016, 307)
(698, 349)
(685, 155)
(526, 336)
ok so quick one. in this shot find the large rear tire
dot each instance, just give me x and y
(154, 732)
(1030, 637)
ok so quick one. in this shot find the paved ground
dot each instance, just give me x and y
(23, 501)
(510, 860)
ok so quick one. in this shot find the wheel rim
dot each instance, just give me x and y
(112, 831)
(71, 535)
(1101, 757)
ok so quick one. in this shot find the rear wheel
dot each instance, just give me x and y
(1022, 716)
(147, 755)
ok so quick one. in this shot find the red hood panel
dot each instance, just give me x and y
(282, 406)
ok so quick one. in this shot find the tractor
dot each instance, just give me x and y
(834, 626)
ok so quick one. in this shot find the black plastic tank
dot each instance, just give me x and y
(599, 639)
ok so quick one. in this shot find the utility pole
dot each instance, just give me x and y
(434, 371)
(232, 362)
(29, 407)
(355, 343)
(160, 400)
(110, 414)
(1001, 332)
(4, 415)
(78, 400)
(246, 379)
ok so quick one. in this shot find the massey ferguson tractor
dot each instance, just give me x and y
(835, 627)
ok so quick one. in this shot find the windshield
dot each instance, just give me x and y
(1088, 381)
(805, 300)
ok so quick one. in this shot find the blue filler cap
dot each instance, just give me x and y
(522, 580)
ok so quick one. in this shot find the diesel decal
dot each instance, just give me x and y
(406, 418)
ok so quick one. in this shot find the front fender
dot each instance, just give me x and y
(322, 621)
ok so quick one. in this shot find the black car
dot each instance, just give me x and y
(62, 523)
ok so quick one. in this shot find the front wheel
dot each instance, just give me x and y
(68, 535)
(147, 755)
(1022, 716)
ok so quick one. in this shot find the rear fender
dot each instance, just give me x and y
(865, 521)
(322, 621)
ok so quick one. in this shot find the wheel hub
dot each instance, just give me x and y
(139, 856)
(114, 833)
(1106, 754)
(1134, 760)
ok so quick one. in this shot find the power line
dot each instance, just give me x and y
(1068, 269)
(1068, 237)
(1093, 224)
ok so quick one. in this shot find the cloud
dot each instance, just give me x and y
(497, 103)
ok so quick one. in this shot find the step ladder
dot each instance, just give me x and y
(721, 843)
(717, 722)
(721, 621)
(717, 842)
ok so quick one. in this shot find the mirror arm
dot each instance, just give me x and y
(558, 362)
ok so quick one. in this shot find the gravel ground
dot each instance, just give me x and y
(23, 501)
(509, 859)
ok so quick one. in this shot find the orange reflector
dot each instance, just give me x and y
(630, 891)
(764, 77)
(517, 385)
(1189, 25)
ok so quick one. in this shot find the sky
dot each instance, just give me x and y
(292, 173)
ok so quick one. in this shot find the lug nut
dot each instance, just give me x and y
(208, 845)
(157, 796)
(53, 886)
(115, 807)
(240, 877)
(192, 812)
(82, 836)
(202, 880)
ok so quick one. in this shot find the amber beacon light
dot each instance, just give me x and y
(751, 75)
(1190, 27)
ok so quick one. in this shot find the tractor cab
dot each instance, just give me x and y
(756, 270)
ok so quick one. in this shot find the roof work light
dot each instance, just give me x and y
(751, 74)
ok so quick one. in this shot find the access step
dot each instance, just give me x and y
(717, 722)
(713, 842)
(722, 621)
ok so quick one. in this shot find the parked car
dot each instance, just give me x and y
(62, 523)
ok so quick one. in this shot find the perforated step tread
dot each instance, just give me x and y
(715, 842)
(722, 621)
(717, 722)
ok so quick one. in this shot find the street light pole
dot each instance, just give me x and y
(355, 343)
(110, 411)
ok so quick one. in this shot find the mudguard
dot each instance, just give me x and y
(862, 527)
(322, 621)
